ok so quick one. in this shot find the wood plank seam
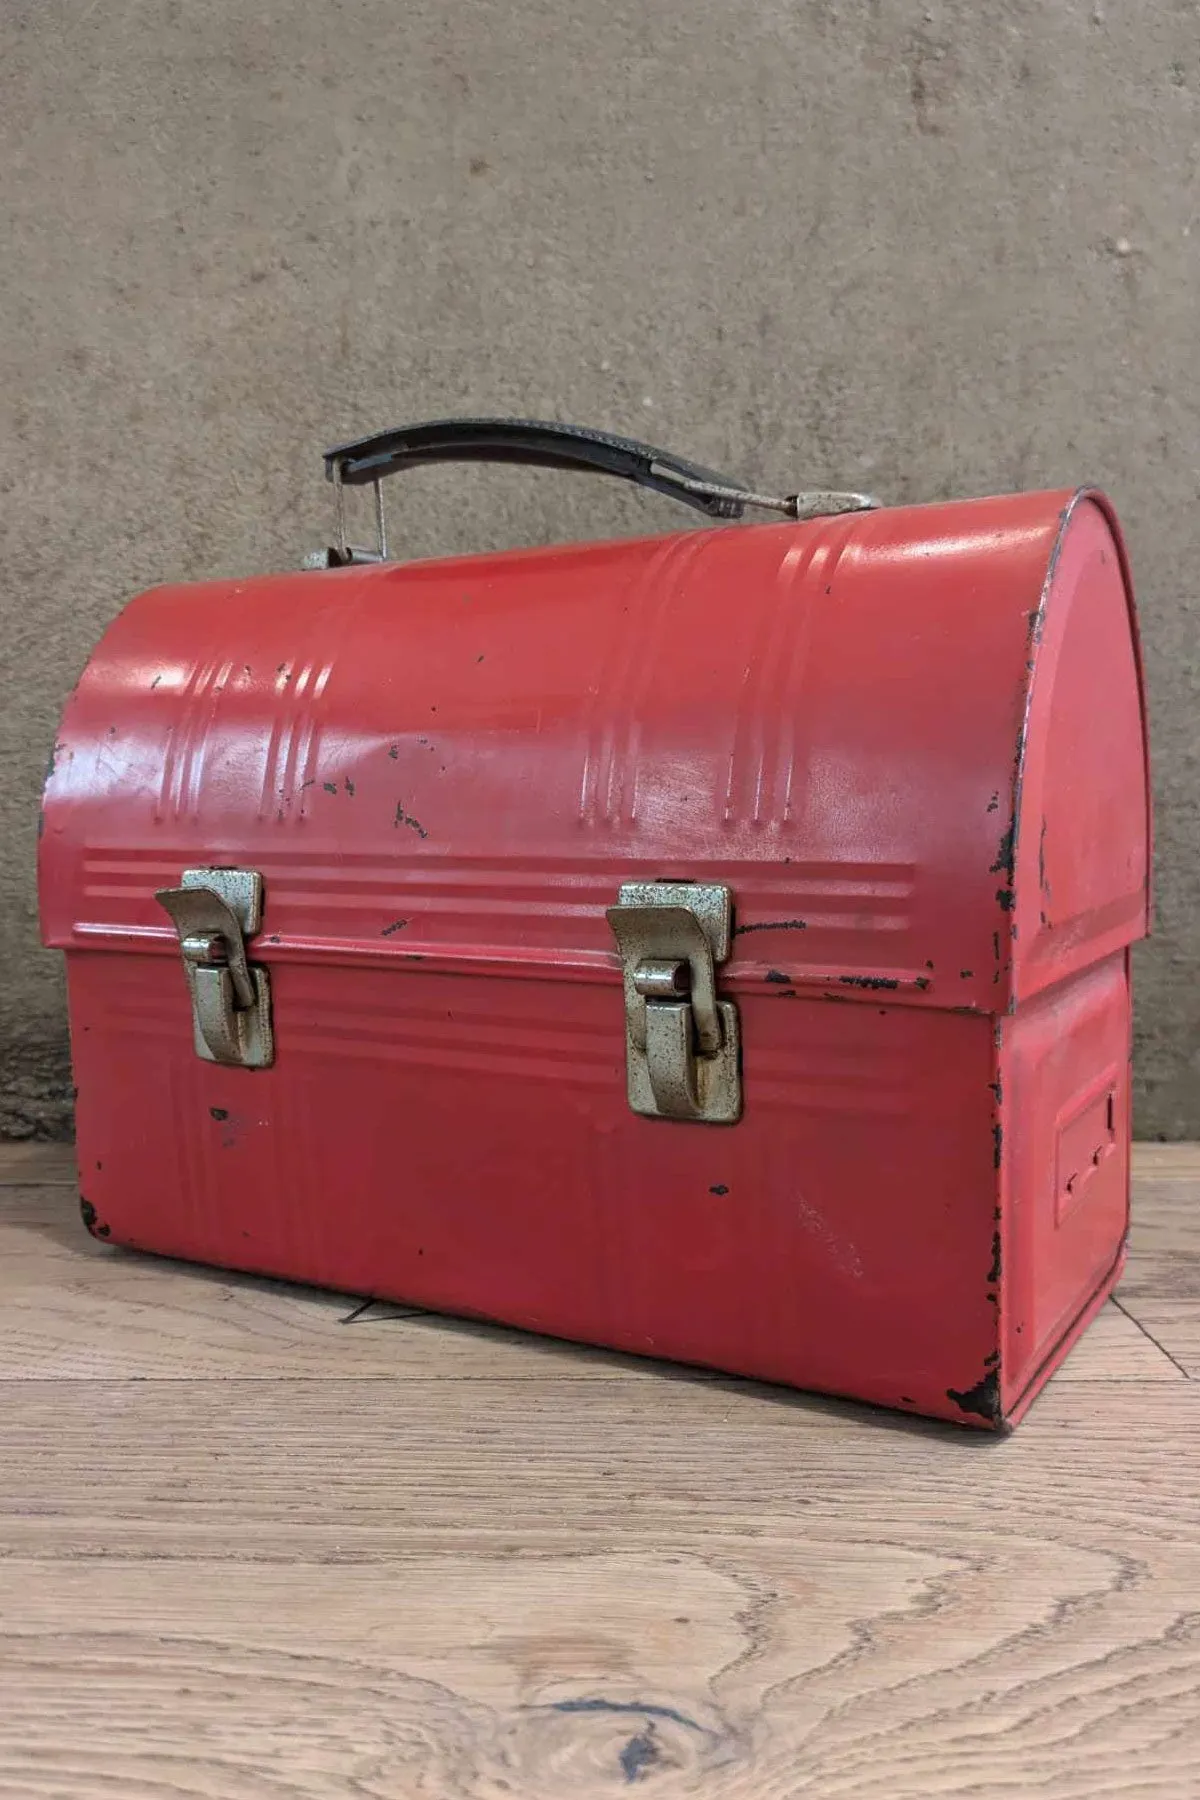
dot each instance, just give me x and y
(1146, 1332)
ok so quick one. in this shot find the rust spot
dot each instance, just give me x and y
(1003, 864)
(719, 1189)
(330, 787)
(777, 975)
(772, 925)
(218, 1112)
(1043, 883)
(983, 1399)
(403, 818)
(869, 981)
(88, 1214)
(396, 925)
(993, 1274)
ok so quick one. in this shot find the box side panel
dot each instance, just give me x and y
(1064, 1070)
(464, 1143)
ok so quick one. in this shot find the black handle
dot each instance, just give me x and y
(546, 446)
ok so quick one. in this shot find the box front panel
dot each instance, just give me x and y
(465, 1143)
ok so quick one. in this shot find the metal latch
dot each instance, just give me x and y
(215, 911)
(682, 1043)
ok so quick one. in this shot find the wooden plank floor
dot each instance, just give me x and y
(252, 1547)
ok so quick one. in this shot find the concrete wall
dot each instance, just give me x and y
(935, 249)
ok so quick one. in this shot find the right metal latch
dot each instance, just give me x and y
(214, 912)
(682, 1043)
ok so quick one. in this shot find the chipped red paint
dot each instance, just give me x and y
(912, 744)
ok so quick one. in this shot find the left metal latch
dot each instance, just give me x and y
(215, 911)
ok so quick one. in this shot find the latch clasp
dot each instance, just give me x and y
(215, 911)
(682, 1043)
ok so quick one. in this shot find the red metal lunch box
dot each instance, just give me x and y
(713, 946)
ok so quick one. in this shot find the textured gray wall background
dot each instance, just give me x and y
(937, 250)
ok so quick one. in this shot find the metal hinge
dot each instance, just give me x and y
(682, 1043)
(215, 911)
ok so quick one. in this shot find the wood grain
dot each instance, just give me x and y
(249, 1552)
(427, 1597)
